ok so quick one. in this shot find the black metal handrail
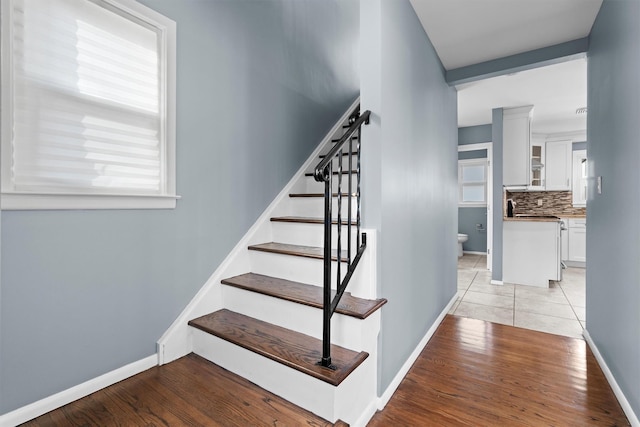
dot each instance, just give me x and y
(324, 173)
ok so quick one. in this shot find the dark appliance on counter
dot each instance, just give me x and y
(510, 204)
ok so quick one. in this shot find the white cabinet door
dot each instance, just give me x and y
(578, 244)
(536, 177)
(516, 133)
(558, 166)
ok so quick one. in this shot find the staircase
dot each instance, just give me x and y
(266, 323)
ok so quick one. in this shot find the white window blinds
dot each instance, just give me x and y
(87, 102)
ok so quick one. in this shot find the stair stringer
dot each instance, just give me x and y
(176, 341)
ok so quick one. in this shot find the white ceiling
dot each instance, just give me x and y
(555, 92)
(466, 32)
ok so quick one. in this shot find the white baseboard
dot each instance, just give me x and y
(497, 282)
(388, 393)
(33, 410)
(367, 414)
(626, 406)
(474, 252)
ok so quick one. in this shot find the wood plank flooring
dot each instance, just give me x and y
(188, 392)
(471, 373)
(478, 373)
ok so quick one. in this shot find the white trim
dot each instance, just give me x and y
(176, 341)
(33, 410)
(497, 282)
(574, 135)
(474, 253)
(472, 205)
(17, 200)
(626, 406)
(367, 414)
(35, 201)
(475, 147)
(395, 383)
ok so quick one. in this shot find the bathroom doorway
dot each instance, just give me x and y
(475, 197)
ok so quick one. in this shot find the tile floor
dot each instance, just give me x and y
(559, 310)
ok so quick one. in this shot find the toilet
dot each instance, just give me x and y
(461, 239)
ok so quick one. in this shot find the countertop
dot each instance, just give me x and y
(531, 219)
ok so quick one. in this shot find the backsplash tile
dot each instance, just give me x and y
(556, 203)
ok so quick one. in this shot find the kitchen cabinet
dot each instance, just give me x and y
(531, 252)
(537, 157)
(558, 166)
(516, 135)
(577, 240)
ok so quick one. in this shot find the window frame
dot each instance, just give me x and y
(10, 199)
(472, 162)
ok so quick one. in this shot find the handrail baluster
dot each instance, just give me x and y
(324, 173)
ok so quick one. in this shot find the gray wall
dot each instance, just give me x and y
(579, 146)
(467, 220)
(86, 292)
(474, 134)
(417, 163)
(613, 235)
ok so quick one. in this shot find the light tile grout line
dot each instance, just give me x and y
(570, 304)
(466, 290)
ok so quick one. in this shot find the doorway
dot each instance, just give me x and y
(475, 197)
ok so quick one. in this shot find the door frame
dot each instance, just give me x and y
(489, 147)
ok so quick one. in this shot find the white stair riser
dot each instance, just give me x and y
(311, 234)
(346, 331)
(294, 386)
(314, 207)
(346, 401)
(313, 186)
(288, 267)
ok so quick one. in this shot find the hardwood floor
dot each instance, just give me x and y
(471, 373)
(188, 392)
(479, 373)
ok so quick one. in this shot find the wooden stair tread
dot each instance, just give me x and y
(303, 293)
(319, 195)
(290, 348)
(309, 220)
(297, 250)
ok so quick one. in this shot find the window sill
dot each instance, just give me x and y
(39, 201)
(472, 205)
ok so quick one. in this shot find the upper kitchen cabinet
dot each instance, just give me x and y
(536, 178)
(558, 166)
(516, 134)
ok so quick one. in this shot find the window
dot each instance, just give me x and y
(88, 120)
(472, 182)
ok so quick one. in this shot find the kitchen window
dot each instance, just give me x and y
(88, 113)
(472, 183)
